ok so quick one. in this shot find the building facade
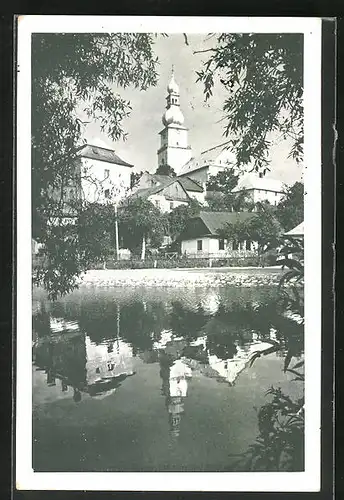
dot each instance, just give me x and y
(105, 177)
(201, 238)
(258, 188)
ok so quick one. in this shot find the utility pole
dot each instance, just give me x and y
(116, 233)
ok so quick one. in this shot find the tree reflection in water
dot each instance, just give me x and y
(90, 346)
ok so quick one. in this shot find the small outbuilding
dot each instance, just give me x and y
(296, 232)
(201, 236)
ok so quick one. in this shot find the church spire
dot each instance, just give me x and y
(174, 149)
(173, 114)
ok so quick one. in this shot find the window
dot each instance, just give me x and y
(235, 245)
(162, 161)
(107, 193)
(199, 245)
(106, 173)
(248, 245)
(171, 205)
(157, 203)
(221, 244)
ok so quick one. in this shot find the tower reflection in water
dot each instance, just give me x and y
(175, 375)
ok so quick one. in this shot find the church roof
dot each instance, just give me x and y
(212, 153)
(101, 154)
(207, 157)
(253, 181)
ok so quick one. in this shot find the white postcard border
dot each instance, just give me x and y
(309, 480)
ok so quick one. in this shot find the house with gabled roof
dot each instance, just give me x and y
(258, 188)
(192, 188)
(167, 194)
(105, 176)
(202, 236)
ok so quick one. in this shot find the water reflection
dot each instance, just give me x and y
(90, 345)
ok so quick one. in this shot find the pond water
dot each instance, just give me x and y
(156, 379)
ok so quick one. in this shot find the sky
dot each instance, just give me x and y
(204, 119)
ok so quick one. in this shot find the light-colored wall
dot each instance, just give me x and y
(163, 204)
(175, 190)
(177, 152)
(210, 247)
(259, 195)
(176, 157)
(200, 197)
(94, 183)
(177, 137)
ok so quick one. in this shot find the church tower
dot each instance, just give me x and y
(174, 149)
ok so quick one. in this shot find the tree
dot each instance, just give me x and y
(229, 202)
(178, 217)
(224, 181)
(73, 73)
(262, 77)
(140, 221)
(290, 208)
(263, 228)
(165, 169)
(96, 231)
(134, 178)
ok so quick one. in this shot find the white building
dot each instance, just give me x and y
(174, 148)
(258, 188)
(105, 177)
(208, 164)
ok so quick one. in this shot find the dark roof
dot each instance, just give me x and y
(209, 223)
(190, 185)
(101, 154)
(217, 220)
(146, 192)
(164, 179)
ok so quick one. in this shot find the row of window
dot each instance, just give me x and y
(265, 191)
(157, 204)
(235, 245)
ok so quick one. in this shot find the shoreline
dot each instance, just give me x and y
(200, 277)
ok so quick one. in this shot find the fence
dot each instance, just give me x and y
(230, 254)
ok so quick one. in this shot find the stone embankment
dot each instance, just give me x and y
(182, 278)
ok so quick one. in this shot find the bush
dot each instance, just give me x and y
(179, 263)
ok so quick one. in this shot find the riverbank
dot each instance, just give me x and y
(183, 277)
